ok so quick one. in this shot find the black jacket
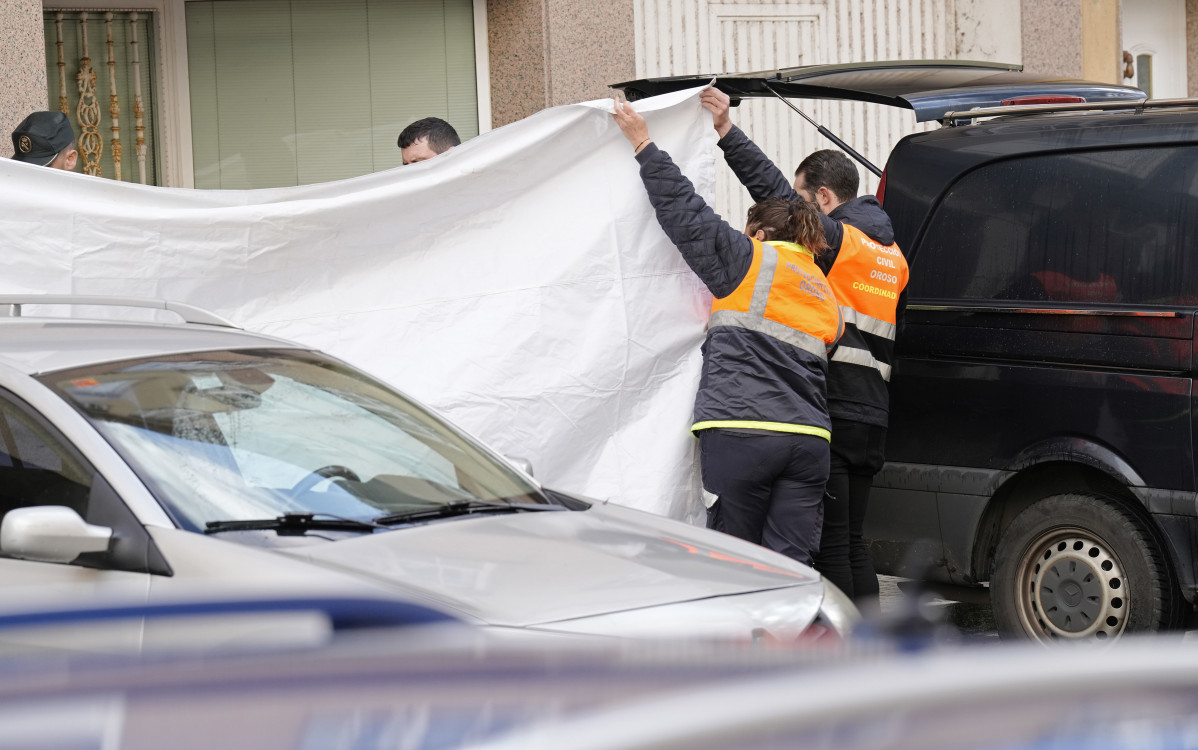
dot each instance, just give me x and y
(855, 393)
(747, 376)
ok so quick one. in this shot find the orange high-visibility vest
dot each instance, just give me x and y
(786, 296)
(867, 279)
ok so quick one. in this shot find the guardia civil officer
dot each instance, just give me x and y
(867, 273)
(46, 139)
(760, 413)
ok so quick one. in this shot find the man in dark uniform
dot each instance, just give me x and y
(867, 273)
(46, 139)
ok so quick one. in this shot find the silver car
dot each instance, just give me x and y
(163, 455)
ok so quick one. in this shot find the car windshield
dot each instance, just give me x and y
(242, 435)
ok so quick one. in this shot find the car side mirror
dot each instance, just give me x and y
(50, 533)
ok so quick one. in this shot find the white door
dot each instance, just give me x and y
(1154, 34)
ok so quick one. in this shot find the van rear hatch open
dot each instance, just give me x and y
(929, 87)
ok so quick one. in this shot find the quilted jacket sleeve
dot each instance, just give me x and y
(719, 254)
(762, 178)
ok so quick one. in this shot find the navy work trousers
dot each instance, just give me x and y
(770, 487)
(858, 452)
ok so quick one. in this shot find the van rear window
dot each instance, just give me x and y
(1114, 226)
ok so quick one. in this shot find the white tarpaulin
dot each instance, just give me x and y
(519, 283)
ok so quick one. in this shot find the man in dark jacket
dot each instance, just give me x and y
(868, 274)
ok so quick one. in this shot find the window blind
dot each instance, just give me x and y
(290, 92)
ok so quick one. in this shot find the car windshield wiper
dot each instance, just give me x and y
(461, 508)
(293, 524)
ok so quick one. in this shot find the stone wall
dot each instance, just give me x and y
(22, 65)
(1051, 35)
(549, 52)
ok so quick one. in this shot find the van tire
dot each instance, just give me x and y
(1080, 566)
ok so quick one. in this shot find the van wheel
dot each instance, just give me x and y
(1080, 567)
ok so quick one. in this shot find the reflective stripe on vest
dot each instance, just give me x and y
(866, 324)
(793, 304)
(855, 356)
(772, 328)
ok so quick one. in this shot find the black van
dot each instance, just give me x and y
(1041, 428)
(1041, 434)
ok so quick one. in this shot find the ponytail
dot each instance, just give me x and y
(789, 220)
(806, 227)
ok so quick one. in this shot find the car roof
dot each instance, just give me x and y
(38, 345)
(1051, 131)
(929, 87)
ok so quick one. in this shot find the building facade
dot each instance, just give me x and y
(261, 93)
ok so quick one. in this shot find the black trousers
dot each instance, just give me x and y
(857, 455)
(770, 487)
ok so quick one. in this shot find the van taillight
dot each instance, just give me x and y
(1041, 99)
(882, 187)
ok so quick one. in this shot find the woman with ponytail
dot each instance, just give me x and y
(760, 413)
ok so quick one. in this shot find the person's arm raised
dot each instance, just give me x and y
(751, 166)
(718, 254)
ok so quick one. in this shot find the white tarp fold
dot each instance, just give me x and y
(519, 283)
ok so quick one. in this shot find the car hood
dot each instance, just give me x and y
(540, 567)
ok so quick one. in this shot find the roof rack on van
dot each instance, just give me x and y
(1138, 107)
(10, 306)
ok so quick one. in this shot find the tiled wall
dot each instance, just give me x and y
(22, 65)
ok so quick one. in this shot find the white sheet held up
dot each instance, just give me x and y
(519, 283)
